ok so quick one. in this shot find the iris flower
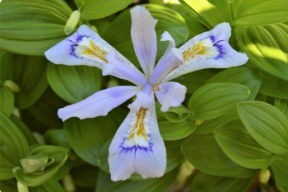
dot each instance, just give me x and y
(137, 145)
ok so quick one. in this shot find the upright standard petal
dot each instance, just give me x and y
(171, 59)
(137, 147)
(144, 38)
(170, 94)
(99, 104)
(84, 47)
(208, 50)
(118, 69)
(145, 99)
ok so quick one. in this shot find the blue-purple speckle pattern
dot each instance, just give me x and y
(74, 45)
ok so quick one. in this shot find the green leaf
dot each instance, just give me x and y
(258, 12)
(87, 137)
(174, 157)
(95, 9)
(216, 99)
(280, 170)
(119, 32)
(45, 109)
(14, 147)
(267, 125)
(74, 83)
(56, 137)
(104, 184)
(266, 47)
(8, 185)
(25, 130)
(58, 156)
(249, 77)
(209, 183)
(195, 80)
(177, 114)
(209, 12)
(85, 175)
(50, 186)
(274, 87)
(240, 146)
(6, 100)
(282, 105)
(204, 153)
(30, 27)
(173, 130)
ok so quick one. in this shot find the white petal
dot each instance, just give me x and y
(171, 94)
(98, 104)
(144, 99)
(84, 47)
(144, 38)
(117, 68)
(208, 50)
(137, 147)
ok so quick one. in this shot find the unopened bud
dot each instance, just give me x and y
(94, 28)
(112, 83)
(21, 187)
(199, 122)
(68, 183)
(12, 85)
(72, 22)
(264, 176)
(16, 112)
(35, 163)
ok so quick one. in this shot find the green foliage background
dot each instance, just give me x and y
(230, 134)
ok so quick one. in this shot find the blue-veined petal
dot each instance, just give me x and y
(145, 99)
(84, 47)
(171, 59)
(99, 104)
(208, 50)
(170, 94)
(137, 147)
(144, 38)
(116, 68)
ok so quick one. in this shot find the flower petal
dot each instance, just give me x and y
(171, 59)
(144, 38)
(144, 99)
(208, 50)
(84, 47)
(171, 94)
(117, 68)
(98, 104)
(137, 147)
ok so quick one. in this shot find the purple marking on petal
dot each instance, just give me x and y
(219, 47)
(130, 149)
(73, 47)
(80, 37)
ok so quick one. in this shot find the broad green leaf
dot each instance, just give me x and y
(2, 52)
(240, 146)
(87, 137)
(56, 137)
(74, 83)
(209, 12)
(51, 185)
(8, 185)
(104, 184)
(170, 130)
(95, 9)
(266, 47)
(174, 157)
(195, 80)
(259, 12)
(249, 77)
(45, 109)
(274, 87)
(6, 100)
(205, 154)
(267, 125)
(14, 147)
(282, 105)
(29, 73)
(216, 99)
(177, 114)
(57, 156)
(25, 130)
(30, 27)
(85, 175)
(34, 124)
(119, 32)
(208, 183)
(280, 170)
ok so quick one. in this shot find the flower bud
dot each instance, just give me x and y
(35, 163)
(21, 187)
(72, 22)
(264, 176)
(12, 85)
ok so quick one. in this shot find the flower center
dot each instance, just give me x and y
(95, 50)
